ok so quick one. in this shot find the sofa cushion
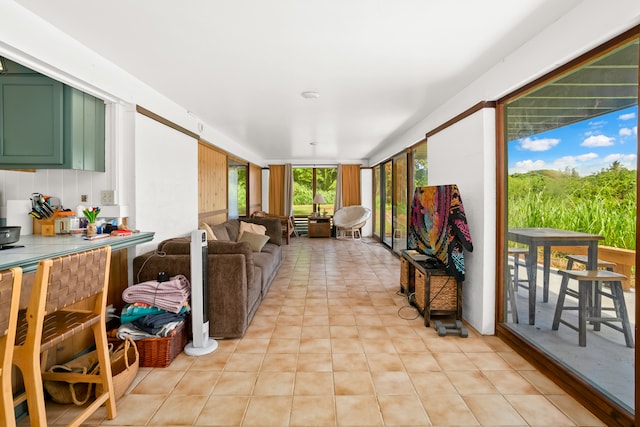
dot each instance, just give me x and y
(220, 231)
(252, 228)
(257, 241)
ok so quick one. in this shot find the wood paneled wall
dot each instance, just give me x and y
(212, 184)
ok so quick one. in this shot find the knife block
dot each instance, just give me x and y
(44, 227)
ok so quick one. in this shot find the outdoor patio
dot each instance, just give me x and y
(606, 361)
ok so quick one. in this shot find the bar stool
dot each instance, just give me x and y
(53, 316)
(515, 253)
(10, 284)
(589, 303)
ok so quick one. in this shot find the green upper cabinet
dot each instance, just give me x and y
(47, 125)
(31, 130)
(83, 130)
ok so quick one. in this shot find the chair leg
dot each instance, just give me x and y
(584, 298)
(511, 296)
(560, 304)
(621, 312)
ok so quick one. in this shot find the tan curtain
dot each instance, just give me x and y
(350, 185)
(276, 189)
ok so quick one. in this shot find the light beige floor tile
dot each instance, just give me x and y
(381, 362)
(488, 361)
(346, 345)
(135, 410)
(342, 320)
(357, 411)
(235, 383)
(392, 383)
(574, 410)
(314, 384)
(158, 381)
(197, 383)
(409, 344)
(471, 382)
(538, 410)
(437, 344)
(292, 310)
(286, 331)
(317, 331)
(510, 382)
(493, 410)
(340, 331)
(432, 383)
(419, 362)
(223, 411)
(353, 383)
(313, 411)
(403, 411)
(179, 410)
(377, 345)
(316, 320)
(516, 361)
(274, 384)
(279, 362)
(350, 362)
(314, 362)
(272, 411)
(284, 345)
(252, 345)
(315, 345)
(454, 362)
(215, 361)
(244, 362)
(374, 332)
(448, 410)
(542, 383)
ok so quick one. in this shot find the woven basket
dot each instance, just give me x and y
(78, 392)
(443, 292)
(125, 362)
(404, 275)
(160, 352)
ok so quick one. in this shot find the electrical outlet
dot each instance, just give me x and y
(107, 197)
(83, 198)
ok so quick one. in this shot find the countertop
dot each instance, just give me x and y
(38, 247)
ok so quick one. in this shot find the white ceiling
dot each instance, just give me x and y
(240, 65)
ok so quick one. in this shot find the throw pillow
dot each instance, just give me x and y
(204, 226)
(257, 241)
(220, 231)
(251, 227)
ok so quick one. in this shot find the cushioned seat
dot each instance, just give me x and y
(350, 219)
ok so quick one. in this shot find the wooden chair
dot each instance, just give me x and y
(288, 227)
(10, 284)
(54, 315)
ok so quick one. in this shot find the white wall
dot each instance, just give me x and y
(464, 154)
(166, 184)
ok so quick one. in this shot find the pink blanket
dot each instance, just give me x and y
(170, 295)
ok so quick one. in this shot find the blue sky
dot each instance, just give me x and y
(588, 146)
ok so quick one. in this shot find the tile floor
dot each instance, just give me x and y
(333, 344)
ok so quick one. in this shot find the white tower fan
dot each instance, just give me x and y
(202, 344)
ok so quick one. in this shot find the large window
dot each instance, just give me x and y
(571, 164)
(377, 199)
(400, 204)
(307, 182)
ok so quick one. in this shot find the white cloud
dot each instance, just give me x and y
(627, 116)
(598, 141)
(563, 162)
(625, 132)
(625, 159)
(539, 144)
(527, 166)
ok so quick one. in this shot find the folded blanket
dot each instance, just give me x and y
(156, 323)
(130, 330)
(131, 312)
(170, 295)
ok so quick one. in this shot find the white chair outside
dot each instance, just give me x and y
(349, 220)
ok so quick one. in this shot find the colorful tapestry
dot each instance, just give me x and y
(438, 226)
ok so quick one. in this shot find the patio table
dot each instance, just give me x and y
(548, 237)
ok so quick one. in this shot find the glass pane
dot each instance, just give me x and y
(419, 155)
(237, 190)
(302, 191)
(388, 204)
(326, 185)
(572, 161)
(400, 203)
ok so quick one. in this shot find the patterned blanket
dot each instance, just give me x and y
(438, 226)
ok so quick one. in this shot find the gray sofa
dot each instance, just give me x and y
(238, 278)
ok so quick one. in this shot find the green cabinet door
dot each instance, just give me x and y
(84, 131)
(31, 130)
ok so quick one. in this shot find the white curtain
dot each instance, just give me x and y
(337, 204)
(288, 190)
